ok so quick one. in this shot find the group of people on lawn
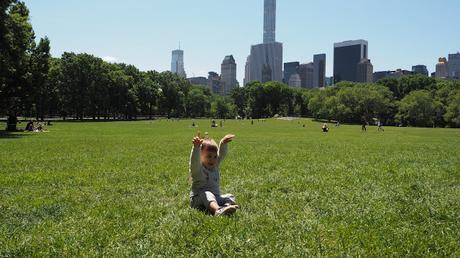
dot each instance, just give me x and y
(35, 127)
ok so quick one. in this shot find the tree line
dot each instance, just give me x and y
(82, 86)
(414, 100)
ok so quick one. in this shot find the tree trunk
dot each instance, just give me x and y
(11, 125)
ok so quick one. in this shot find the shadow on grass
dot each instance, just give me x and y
(13, 135)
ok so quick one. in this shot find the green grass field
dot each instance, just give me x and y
(121, 189)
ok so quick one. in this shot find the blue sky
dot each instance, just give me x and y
(401, 33)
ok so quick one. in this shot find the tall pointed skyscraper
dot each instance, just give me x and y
(266, 60)
(269, 21)
(177, 63)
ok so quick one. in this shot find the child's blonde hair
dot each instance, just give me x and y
(209, 145)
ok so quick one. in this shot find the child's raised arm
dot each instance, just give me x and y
(223, 146)
(195, 156)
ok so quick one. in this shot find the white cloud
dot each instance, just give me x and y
(110, 59)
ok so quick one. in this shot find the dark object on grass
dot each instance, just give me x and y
(30, 126)
(325, 128)
(11, 123)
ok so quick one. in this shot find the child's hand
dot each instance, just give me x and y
(228, 138)
(197, 141)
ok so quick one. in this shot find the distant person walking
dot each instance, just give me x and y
(364, 126)
(380, 126)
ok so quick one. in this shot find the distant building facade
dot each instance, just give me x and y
(306, 73)
(266, 73)
(214, 83)
(391, 74)
(442, 68)
(347, 56)
(290, 68)
(177, 63)
(420, 69)
(228, 75)
(454, 65)
(247, 70)
(329, 81)
(365, 71)
(380, 75)
(319, 76)
(265, 57)
(295, 81)
(202, 81)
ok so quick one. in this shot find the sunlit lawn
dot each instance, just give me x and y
(121, 189)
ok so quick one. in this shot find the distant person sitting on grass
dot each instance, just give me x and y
(205, 161)
(30, 126)
(39, 127)
(325, 128)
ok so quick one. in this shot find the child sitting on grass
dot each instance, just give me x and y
(205, 161)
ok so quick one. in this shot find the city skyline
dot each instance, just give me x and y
(144, 37)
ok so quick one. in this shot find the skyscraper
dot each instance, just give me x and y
(306, 72)
(289, 70)
(319, 76)
(269, 21)
(420, 69)
(228, 74)
(442, 68)
(347, 56)
(269, 55)
(247, 70)
(177, 63)
(454, 65)
(365, 71)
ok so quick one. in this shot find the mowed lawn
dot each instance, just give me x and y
(121, 189)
